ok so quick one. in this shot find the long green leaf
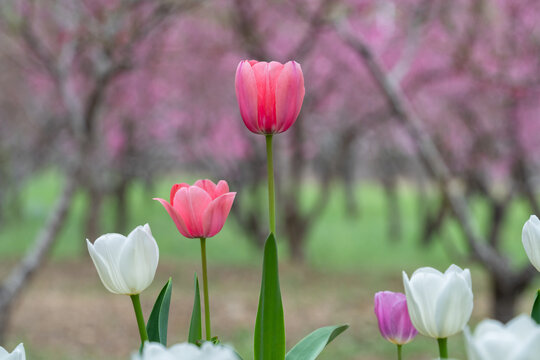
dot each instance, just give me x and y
(159, 317)
(312, 345)
(536, 308)
(270, 325)
(195, 326)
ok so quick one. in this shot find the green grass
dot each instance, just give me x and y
(337, 241)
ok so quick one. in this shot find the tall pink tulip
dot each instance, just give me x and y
(200, 210)
(270, 95)
(393, 317)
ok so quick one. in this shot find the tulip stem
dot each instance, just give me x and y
(271, 191)
(443, 348)
(399, 355)
(140, 318)
(205, 291)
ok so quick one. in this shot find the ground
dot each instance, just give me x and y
(67, 314)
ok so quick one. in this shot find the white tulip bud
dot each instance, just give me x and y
(530, 236)
(126, 265)
(17, 354)
(440, 305)
(519, 339)
(185, 351)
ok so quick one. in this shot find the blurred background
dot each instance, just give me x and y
(417, 145)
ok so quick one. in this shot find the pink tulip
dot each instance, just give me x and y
(199, 211)
(270, 95)
(393, 317)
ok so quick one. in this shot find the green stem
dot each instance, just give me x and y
(443, 348)
(271, 191)
(205, 291)
(140, 318)
(399, 355)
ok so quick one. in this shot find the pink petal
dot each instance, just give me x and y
(246, 93)
(221, 188)
(174, 189)
(266, 75)
(216, 214)
(290, 93)
(190, 203)
(178, 221)
(208, 186)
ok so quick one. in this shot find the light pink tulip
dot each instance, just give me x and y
(270, 95)
(200, 210)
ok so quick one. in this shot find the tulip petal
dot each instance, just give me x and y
(289, 95)
(190, 203)
(423, 287)
(215, 215)
(174, 189)
(221, 188)
(104, 255)
(178, 221)
(246, 92)
(454, 306)
(138, 260)
(530, 237)
(208, 186)
(266, 75)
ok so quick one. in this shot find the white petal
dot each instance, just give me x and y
(425, 288)
(17, 354)
(530, 237)
(454, 305)
(185, 351)
(138, 260)
(107, 267)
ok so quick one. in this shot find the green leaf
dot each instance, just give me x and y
(270, 325)
(159, 317)
(536, 308)
(195, 326)
(312, 345)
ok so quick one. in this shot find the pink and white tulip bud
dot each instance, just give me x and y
(519, 339)
(126, 265)
(393, 317)
(440, 305)
(270, 95)
(17, 354)
(530, 236)
(200, 210)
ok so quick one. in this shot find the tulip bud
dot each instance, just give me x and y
(126, 265)
(393, 317)
(530, 236)
(17, 354)
(199, 211)
(270, 95)
(185, 351)
(519, 339)
(440, 305)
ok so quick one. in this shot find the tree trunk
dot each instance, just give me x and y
(393, 211)
(295, 230)
(23, 271)
(121, 195)
(504, 300)
(93, 215)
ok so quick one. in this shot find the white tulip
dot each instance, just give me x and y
(440, 305)
(530, 236)
(17, 354)
(126, 265)
(519, 339)
(185, 351)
